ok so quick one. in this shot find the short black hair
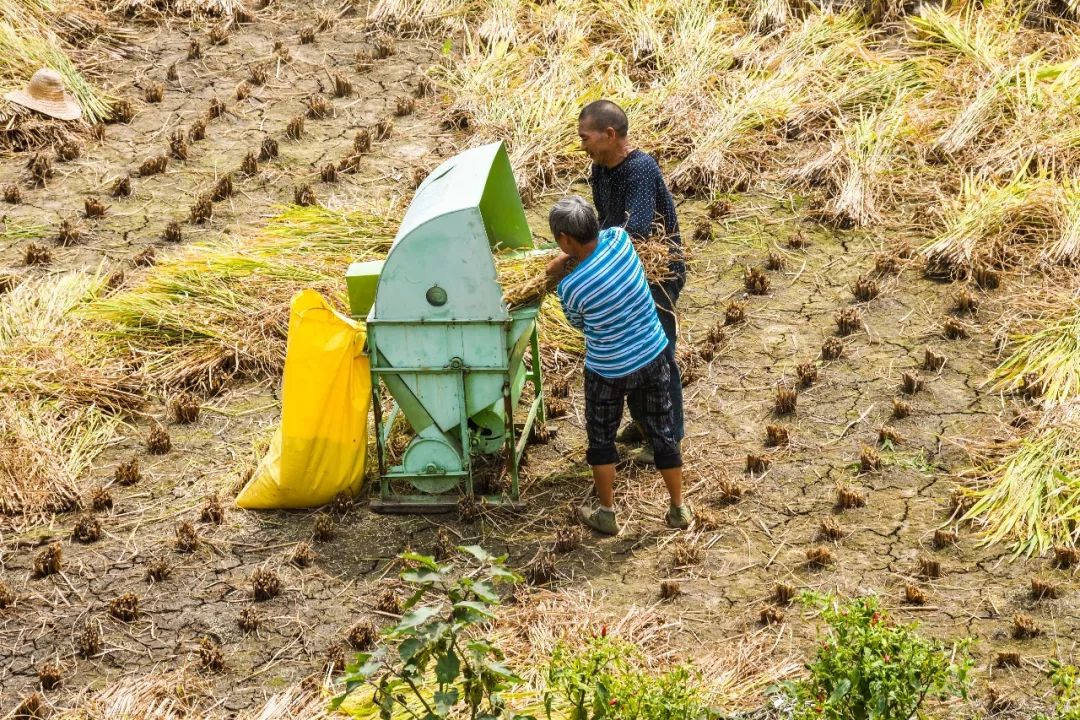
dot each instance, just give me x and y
(604, 114)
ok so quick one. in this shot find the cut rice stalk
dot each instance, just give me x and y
(1032, 495)
(990, 216)
(1051, 352)
(222, 309)
(45, 453)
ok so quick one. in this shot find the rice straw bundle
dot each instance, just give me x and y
(45, 352)
(767, 16)
(989, 216)
(1065, 250)
(222, 309)
(981, 38)
(868, 151)
(1032, 495)
(556, 331)
(418, 16)
(998, 95)
(1050, 352)
(500, 26)
(523, 277)
(44, 454)
(723, 157)
(184, 8)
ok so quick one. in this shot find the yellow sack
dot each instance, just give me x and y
(320, 448)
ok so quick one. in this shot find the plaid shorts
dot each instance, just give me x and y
(648, 392)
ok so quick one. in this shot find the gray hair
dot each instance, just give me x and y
(574, 217)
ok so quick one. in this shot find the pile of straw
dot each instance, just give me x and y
(45, 352)
(176, 695)
(183, 8)
(44, 454)
(62, 395)
(1031, 494)
(221, 310)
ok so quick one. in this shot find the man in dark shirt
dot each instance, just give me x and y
(629, 192)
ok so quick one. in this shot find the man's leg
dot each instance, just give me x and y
(665, 297)
(604, 400)
(653, 395)
(604, 481)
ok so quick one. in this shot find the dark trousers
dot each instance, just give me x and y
(648, 389)
(666, 295)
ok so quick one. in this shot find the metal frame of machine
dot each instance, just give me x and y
(442, 341)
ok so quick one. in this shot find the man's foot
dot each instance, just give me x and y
(632, 433)
(600, 520)
(679, 517)
(644, 456)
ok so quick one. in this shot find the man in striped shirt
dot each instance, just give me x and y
(606, 296)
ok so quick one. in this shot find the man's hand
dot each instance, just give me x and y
(557, 269)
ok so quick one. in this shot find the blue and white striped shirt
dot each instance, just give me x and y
(608, 298)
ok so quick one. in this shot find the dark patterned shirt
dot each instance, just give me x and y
(633, 195)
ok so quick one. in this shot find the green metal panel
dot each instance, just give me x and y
(441, 337)
(361, 280)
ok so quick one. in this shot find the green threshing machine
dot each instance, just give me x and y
(442, 340)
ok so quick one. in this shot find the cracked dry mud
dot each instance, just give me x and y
(762, 539)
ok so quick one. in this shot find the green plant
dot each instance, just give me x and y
(869, 668)
(1066, 681)
(435, 663)
(604, 681)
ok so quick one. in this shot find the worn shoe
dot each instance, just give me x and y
(644, 456)
(600, 520)
(679, 517)
(632, 433)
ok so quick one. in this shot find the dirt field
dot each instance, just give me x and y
(756, 540)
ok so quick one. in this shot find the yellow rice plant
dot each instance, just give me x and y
(221, 309)
(47, 354)
(45, 451)
(989, 216)
(1046, 352)
(1031, 495)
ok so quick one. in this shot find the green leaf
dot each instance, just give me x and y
(499, 573)
(447, 668)
(500, 669)
(365, 665)
(409, 648)
(447, 46)
(414, 598)
(416, 617)
(421, 576)
(485, 592)
(471, 606)
(445, 701)
(425, 560)
(477, 552)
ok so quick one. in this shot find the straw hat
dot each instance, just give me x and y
(45, 93)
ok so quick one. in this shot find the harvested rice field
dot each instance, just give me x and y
(879, 343)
